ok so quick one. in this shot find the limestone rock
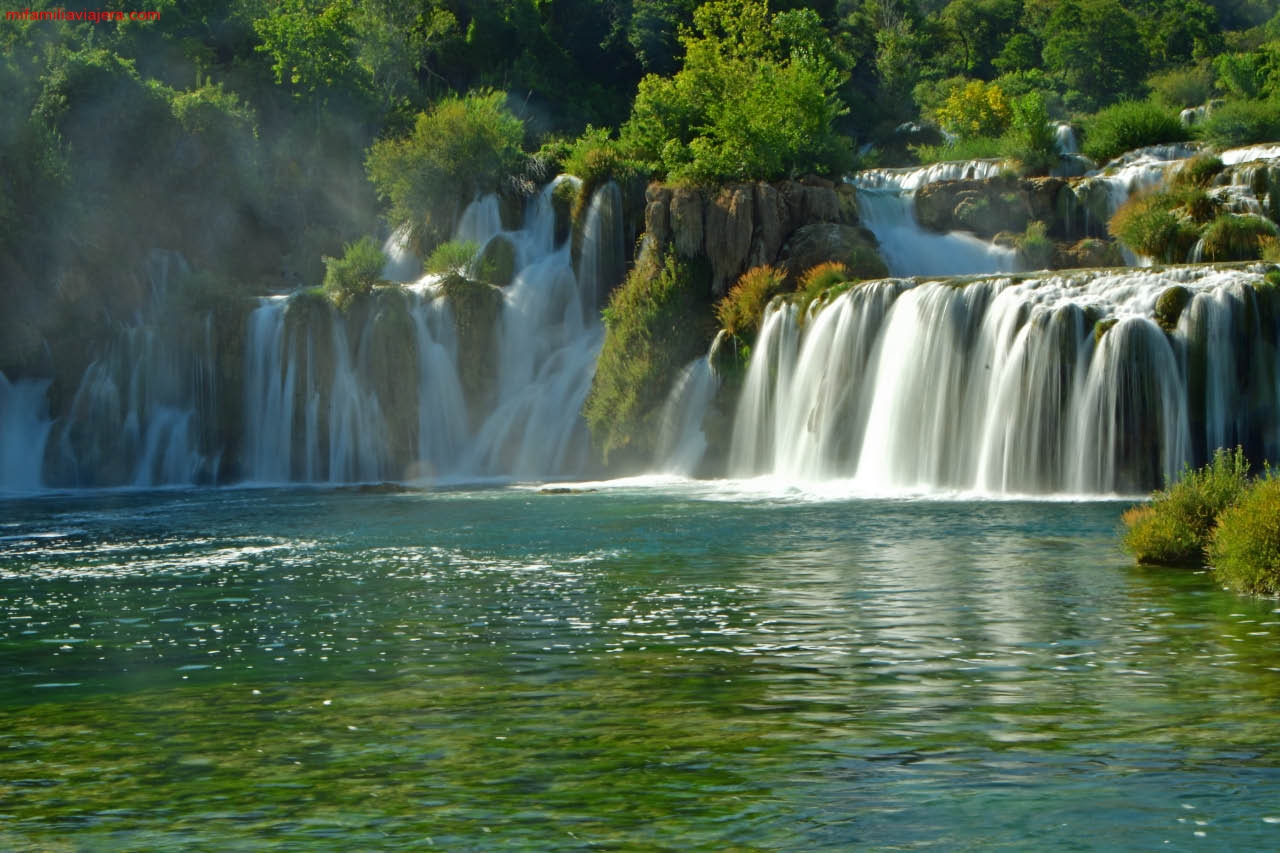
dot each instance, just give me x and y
(687, 221)
(730, 222)
(821, 242)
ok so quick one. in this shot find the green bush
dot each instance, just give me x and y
(355, 273)
(1151, 225)
(452, 256)
(1179, 88)
(1242, 123)
(1244, 549)
(653, 327)
(1174, 528)
(1199, 171)
(595, 159)
(1035, 249)
(1030, 140)
(1231, 237)
(1128, 125)
(461, 147)
(975, 148)
(742, 308)
(818, 281)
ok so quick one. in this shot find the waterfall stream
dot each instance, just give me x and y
(1047, 384)
(390, 393)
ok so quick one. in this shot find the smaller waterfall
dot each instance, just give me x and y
(140, 412)
(682, 443)
(1065, 138)
(402, 265)
(24, 429)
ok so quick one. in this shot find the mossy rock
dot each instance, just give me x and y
(563, 196)
(393, 363)
(1170, 305)
(1101, 327)
(477, 309)
(496, 264)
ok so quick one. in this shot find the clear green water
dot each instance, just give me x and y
(629, 669)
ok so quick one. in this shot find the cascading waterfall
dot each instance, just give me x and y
(1052, 383)
(886, 200)
(24, 430)
(328, 397)
(136, 417)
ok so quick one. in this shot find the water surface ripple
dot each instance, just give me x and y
(635, 668)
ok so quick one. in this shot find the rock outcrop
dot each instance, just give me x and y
(741, 226)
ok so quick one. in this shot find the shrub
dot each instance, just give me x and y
(975, 148)
(595, 159)
(742, 308)
(1174, 528)
(1241, 123)
(818, 280)
(1128, 125)
(453, 256)
(460, 147)
(652, 329)
(975, 109)
(1199, 171)
(355, 273)
(1030, 140)
(1035, 249)
(1244, 549)
(1180, 88)
(1148, 225)
(1231, 237)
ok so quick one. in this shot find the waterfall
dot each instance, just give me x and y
(886, 199)
(682, 443)
(402, 265)
(1048, 383)
(24, 429)
(138, 416)
(385, 391)
(549, 334)
(1064, 136)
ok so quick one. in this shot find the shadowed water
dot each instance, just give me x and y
(648, 666)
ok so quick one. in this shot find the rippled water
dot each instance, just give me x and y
(641, 668)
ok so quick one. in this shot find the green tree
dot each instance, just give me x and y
(460, 147)
(975, 109)
(755, 98)
(1095, 48)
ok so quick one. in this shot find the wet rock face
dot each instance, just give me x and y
(741, 226)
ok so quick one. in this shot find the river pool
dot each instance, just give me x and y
(649, 665)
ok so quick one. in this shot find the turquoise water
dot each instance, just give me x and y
(640, 667)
